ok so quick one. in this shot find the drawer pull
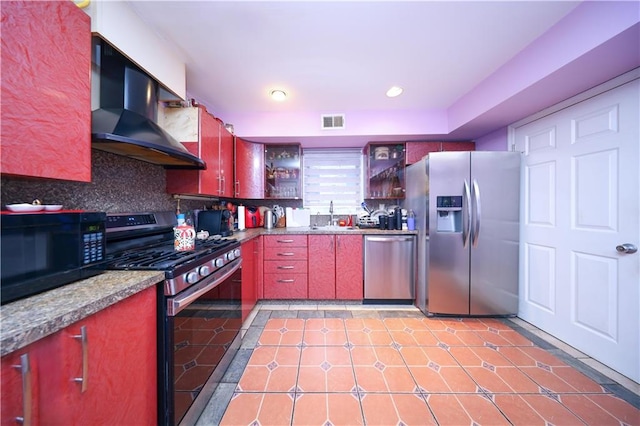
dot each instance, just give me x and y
(286, 254)
(285, 241)
(290, 280)
(25, 372)
(286, 267)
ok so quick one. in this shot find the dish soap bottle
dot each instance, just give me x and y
(411, 221)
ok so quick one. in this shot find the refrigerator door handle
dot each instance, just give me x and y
(466, 219)
(478, 210)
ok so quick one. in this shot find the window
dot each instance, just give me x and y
(332, 175)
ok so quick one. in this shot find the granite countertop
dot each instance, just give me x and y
(25, 321)
(250, 233)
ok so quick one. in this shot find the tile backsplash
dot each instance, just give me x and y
(118, 185)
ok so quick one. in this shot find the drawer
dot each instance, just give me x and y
(285, 286)
(285, 253)
(285, 267)
(285, 241)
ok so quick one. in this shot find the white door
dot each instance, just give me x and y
(581, 199)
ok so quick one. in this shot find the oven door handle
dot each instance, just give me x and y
(184, 299)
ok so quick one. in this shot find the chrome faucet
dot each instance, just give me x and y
(331, 212)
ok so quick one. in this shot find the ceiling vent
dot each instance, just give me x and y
(332, 121)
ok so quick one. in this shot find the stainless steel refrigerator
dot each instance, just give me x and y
(467, 216)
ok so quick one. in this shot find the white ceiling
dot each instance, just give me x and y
(341, 57)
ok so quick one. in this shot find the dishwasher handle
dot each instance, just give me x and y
(388, 239)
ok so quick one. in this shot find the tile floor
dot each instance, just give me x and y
(389, 365)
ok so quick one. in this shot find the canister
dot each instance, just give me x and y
(268, 219)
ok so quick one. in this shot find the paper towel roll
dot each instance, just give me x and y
(241, 218)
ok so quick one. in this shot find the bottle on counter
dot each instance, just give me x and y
(397, 217)
(411, 221)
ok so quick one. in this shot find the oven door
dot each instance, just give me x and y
(201, 334)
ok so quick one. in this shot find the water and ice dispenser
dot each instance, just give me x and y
(449, 213)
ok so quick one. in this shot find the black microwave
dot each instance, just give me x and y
(42, 251)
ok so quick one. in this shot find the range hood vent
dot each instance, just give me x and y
(125, 122)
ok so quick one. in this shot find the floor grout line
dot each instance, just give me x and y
(274, 312)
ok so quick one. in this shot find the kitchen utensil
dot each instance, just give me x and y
(279, 212)
(366, 207)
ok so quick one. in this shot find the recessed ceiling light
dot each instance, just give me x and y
(278, 95)
(394, 91)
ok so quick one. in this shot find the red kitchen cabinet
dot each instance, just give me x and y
(206, 137)
(251, 256)
(335, 267)
(117, 362)
(285, 272)
(322, 267)
(417, 150)
(458, 146)
(19, 372)
(249, 169)
(349, 267)
(46, 90)
(226, 167)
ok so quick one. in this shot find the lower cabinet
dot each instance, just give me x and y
(251, 275)
(335, 271)
(100, 370)
(285, 267)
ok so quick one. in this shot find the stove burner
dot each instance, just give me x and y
(164, 257)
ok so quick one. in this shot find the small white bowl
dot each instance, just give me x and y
(52, 207)
(24, 207)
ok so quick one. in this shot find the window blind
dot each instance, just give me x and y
(332, 175)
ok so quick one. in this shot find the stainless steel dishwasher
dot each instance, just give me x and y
(389, 267)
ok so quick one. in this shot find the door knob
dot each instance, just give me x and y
(626, 248)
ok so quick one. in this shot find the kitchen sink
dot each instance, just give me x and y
(332, 228)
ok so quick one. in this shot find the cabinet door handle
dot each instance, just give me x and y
(290, 280)
(286, 267)
(285, 241)
(286, 254)
(237, 188)
(25, 372)
(84, 340)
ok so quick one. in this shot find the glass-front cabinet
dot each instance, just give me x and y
(385, 177)
(283, 175)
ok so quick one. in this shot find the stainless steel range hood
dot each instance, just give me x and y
(125, 122)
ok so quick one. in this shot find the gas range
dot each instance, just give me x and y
(199, 307)
(144, 241)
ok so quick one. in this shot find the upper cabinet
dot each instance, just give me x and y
(46, 90)
(385, 170)
(249, 169)
(417, 150)
(206, 137)
(283, 171)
